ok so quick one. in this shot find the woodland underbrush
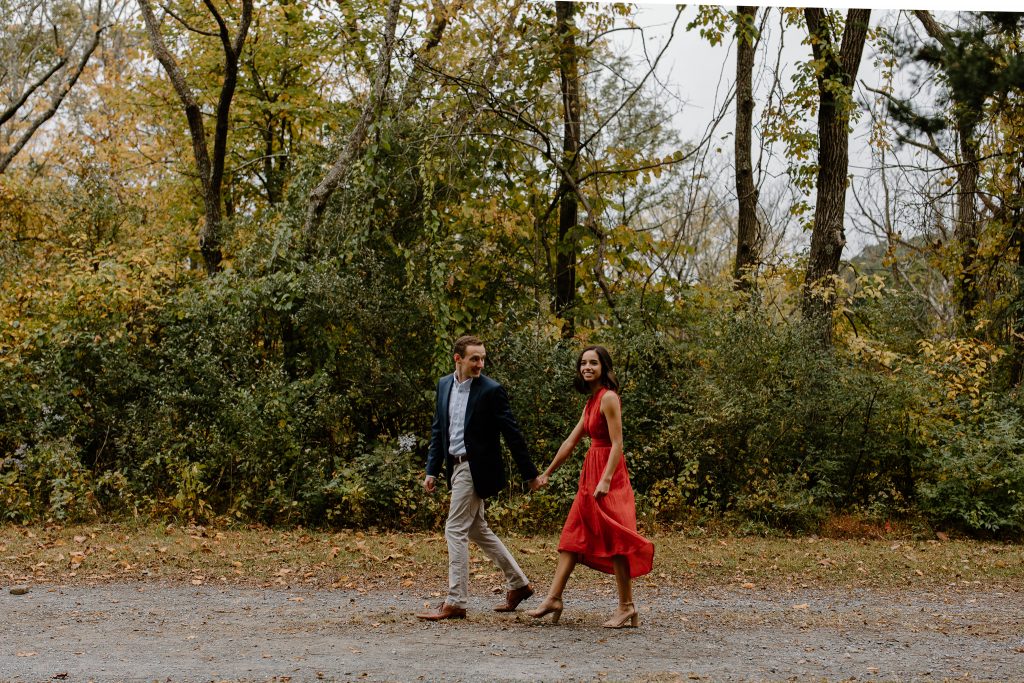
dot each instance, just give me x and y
(305, 396)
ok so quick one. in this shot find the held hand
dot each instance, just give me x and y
(537, 482)
(602, 489)
(429, 484)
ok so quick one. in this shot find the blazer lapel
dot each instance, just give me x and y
(474, 393)
(445, 397)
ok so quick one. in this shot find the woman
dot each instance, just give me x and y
(600, 530)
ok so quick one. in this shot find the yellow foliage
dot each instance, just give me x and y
(962, 365)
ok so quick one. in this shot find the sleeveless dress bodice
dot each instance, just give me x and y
(598, 530)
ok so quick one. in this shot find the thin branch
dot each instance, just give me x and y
(320, 195)
(45, 116)
(13, 109)
(181, 20)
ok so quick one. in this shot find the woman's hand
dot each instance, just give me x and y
(602, 489)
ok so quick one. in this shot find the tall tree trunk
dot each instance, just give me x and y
(568, 209)
(747, 248)
(835, 88)
(967, 229)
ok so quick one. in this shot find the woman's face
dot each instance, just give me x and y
(590, 366)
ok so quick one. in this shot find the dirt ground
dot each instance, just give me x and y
(171, 632)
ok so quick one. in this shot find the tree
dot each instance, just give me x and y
(974, 70)
(210, 168)
(746, 191)
(291, 62)
(321, 194)
(44, 49)
(568, 208)
(836, 66)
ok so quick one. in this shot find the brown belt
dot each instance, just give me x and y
(460, 458)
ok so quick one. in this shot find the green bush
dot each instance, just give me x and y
(49, 482)
(973, 477)
(305, 395)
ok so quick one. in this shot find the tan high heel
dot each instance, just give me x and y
(552, 606)
(632, 618)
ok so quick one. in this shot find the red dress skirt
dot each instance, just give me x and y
(600, 529)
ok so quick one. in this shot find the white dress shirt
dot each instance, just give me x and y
(457, 402)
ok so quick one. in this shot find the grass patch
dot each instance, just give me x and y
(358, 560)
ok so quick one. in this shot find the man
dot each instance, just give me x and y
(472, 410)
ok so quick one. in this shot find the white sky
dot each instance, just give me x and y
(701, 77)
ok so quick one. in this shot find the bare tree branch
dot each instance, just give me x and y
(58, 97)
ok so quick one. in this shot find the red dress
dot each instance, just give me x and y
(599, 529)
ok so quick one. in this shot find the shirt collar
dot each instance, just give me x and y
(464, 383)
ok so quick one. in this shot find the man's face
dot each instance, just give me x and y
(471, 364)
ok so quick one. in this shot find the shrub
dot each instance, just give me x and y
(973, 477)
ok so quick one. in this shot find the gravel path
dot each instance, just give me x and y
(145, 632)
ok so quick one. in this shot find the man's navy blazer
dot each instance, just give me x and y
(488, 415)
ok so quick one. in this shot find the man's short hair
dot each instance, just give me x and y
(464, 341)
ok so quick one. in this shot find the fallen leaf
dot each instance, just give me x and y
(25, 654)
(802, 606)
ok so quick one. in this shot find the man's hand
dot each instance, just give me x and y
(537, 482)
(429, 483)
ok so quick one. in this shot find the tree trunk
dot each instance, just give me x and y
(273, 175)
(835, 88)
(568, 209)
(747, 251)
(967, 228)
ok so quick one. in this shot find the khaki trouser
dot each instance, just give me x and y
(466, 523)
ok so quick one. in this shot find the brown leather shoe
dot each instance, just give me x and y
(445, 611)
(514, 597)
